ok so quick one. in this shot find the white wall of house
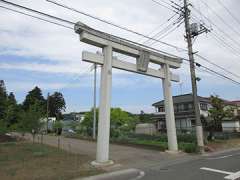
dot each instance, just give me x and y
(231, 126)
(204, 113)
(145, 128)
(51, 120)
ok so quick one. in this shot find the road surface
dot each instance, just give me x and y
(213, 167)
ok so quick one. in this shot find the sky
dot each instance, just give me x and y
(35, 53)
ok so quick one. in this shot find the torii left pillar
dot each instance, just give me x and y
(102, 154)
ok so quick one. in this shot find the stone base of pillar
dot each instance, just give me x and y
(173, 152)
(102, 164)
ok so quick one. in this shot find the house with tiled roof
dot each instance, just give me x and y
(184, 113)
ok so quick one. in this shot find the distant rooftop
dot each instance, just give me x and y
(189, 98)
(183, 98)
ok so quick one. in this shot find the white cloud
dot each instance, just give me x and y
(64, 68)
(27, 86)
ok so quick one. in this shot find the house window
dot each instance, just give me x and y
(190, 106)
(203, 106)
(186, 107)
(238, 112)
(181, 107)
(161, 109)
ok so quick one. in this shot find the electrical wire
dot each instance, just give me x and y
(229, 12)
(213, 71)
(157, 33)
(220, 18)
(165, 6)
(222, 41)
(108, 35)
(113, 24)
(168, 32)
(35, 17)
(221, 75)
(166, 29)
(37, 12)
(219, 29)
(220, 67)
(158, 26)
(173, 8)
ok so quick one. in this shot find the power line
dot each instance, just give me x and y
(157, 2)
(219, 17)
(225, 44)
(213, 71)
(220, 67)
(223, 41)
(229, 12)
(35, 17)
(165, 22)
(113, 24)
(219, 29)
(38, 12)
(168, 32)
(161, 32)
(173, 8)
(221, 75)
(108, 35)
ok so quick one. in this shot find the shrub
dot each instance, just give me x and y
(189, 147)
(3, 127)
(187, 138)
(162, 138)
(162, 146)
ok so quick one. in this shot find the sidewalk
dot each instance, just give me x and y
(123, 156)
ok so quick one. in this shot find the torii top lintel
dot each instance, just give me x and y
(101, 39)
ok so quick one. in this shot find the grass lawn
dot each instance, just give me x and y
(27, 161)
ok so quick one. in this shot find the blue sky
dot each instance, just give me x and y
(34, 53)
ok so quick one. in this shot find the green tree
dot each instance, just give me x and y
(218, 112)
(56, 105)
(144, 117)
(57, 126)
(3, 99)
(122, 122)
(34, 97)
(12, 112)
(30, 120)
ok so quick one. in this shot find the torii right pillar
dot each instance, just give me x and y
(169, 110)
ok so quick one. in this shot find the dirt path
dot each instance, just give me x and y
(124, 155)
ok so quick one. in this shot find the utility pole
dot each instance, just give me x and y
(94, 101)
(199, 129)
(47, 110)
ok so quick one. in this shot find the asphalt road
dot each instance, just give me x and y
(224, 164)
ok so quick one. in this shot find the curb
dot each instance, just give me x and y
(221, 152)
(127, 174)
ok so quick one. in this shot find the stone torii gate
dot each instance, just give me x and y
(144, 56)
